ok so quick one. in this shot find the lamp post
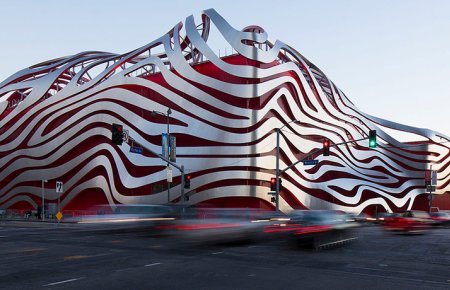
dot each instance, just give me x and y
(43, 197)
(277, 170)
(154, 113)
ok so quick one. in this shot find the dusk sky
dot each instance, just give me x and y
(391, 58)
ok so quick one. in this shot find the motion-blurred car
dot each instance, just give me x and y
(214, 226)
(317, 228)
(362, 219)
(440, 218)
(128, 215)
(413, 221)
(382, 217)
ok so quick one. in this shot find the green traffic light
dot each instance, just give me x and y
(372, 138)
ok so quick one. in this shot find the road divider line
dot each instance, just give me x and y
(216, 253)
(151, 265)
(61, 282)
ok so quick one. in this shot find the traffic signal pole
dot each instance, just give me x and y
(179, 167)
(118, 137)
(279, 172)
(430, 196)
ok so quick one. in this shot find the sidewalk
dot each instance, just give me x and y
(35, 223)
(34, 220)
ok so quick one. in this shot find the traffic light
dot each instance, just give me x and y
(187, 181)
(326, 148)
(117, 134)
(273, 184)
(372, 138)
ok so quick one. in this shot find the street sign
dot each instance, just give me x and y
(173, 148)
(433, 177)
(272, 193)
(310, 162)
(59, 215)
(169, 174)
(59, 186)
(134, 149)
(165, 145)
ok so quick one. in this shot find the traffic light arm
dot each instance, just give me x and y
(300, 160)
(317, 151)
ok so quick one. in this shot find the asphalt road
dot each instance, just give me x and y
(37, 255)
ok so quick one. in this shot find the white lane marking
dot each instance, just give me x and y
(151, 265)
(61, 282)
(216, 253)
(2, 236)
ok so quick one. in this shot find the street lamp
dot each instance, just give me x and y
(154, 113)
(43, 197)
(277, 171)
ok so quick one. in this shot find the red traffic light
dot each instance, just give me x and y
(117, 134)
(326, 147)
(273, 184)
(187, 181)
